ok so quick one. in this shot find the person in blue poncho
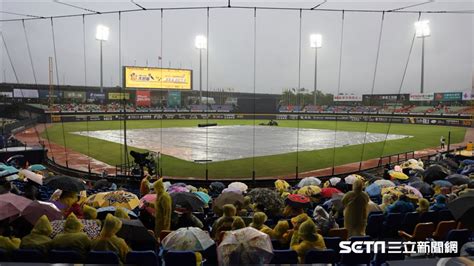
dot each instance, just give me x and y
(402, 205)
(439, 204)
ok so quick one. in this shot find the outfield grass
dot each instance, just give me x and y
(424, 136)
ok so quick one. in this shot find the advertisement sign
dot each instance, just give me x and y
(75, 95)
(119, 95)
(386, 97)
(157, 78)
(142, 98)
(174, 99)
(419, 97)
(347, 98)
(448, 96)
(7, 94)
(95, 96)
(468, 96)
(44, 94)
(25, 93)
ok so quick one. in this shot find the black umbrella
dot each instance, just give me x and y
(413, 179)
(435, 172)
(457, 179)
(215, 188)
(228, 198)
(462, 209)
(137, 235)
(423, 187)
(65, 183)
(187, 200)
(449, 163)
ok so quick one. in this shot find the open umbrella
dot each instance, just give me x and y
(203, 196)
(309, 191)
(297, 201)
(12, 205)
(457, 179)
(36, 209)
(334, 180)
(187, 239)
(91, 228)
(147, 200)
(238, 185)
(246, 246)
(37, 178)
(186, 200)
(425, 189)
(102, 212)
(8, 173)
(373, 190)
(175, 188)
(327, 192)
(270, 199)
(137, 235)
(397, 175)
(36, 167)
(117, 198)
(442, 183)
(413, 190)
(402, 190)
(65, 183)
(309, 181)
(350, 179)
(216, 187)
(462, 209)
(435, 172)
(384, 183)
(228, 198)
(232, 189)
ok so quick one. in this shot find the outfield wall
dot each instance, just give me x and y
(462, 121)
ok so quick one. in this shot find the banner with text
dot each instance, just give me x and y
(347, 98)
(157, 78)
(419, 97)
(448, 96)
(142, 98)
(118, 96)
(25, 93)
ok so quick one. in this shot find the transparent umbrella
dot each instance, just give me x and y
(187, 239)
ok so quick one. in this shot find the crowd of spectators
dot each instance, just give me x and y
(438, 109)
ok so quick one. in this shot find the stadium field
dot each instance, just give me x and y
(423, 136)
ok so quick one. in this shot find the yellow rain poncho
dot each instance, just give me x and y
(282, 186)
(163, 208)
(279, 231)
(91, 214)
(306, 238)
(73, 237)
(356, 205)
(39, 236)
(9, 243)
(258, 222)
(108, 241)
(121, 213)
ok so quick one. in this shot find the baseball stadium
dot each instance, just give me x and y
(236, 133)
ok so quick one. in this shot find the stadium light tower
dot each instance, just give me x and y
(422, 31)
(201, 43)
(101, 34)
(316, 42)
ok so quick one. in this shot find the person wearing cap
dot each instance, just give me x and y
(73, 238)
(109, 241)
(305, 239)
(39, 238)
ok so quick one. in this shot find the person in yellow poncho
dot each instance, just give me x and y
(306, 238)
(356, 206)
(73, 238)
(238, 223)
(91, 214)
(224, 223)
(9, 243)
(258, 222)
(108, 239)
(296, 222)
(279, 231)
(163, 208)
(39, 237)
(121, 213)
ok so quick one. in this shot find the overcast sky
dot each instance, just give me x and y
(448, 51)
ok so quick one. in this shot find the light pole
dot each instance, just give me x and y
(316, 42)
(422, 30)
(102, 34)
(201, 43)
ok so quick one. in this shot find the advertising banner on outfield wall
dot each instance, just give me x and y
(95, 96)
(44, 94)
(386, 97)
(25, 93)
(7, 94)
(118, 96)
(347, 98)
(157, 78)
(448, 96)
(468, 96)
(75, 95)
(174, 99)
(419, 97)
(142, 98)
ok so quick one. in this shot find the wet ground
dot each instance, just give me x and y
(222, 143)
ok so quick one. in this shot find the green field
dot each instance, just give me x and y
(424, 136)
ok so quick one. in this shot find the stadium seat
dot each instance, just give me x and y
(339, 232)
(102, 257)
(443, 229)
(445, 215)
(459, 235)
(4, 256)
(392, 224)
(287, 256)
(321, 256)
(210, 254)
(27, 255)
(374, 225)
(277, 245)
(382, 258)
(65, 256)
(421, 233)
(409, 222)
(179, 258)
(333, 243)
(428, 217)
(143, 258)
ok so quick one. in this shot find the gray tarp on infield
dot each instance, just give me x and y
(235, 142)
